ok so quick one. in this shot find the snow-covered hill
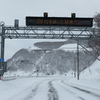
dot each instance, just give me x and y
(92, 72)
(60, 58)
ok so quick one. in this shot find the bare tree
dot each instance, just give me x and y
(95, 44)
(97, 19)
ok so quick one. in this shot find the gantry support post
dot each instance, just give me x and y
(2, 41)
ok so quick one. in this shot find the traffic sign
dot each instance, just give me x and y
(1, 59)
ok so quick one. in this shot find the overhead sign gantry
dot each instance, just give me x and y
(48, 28)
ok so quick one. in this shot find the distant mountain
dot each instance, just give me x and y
(49, 59)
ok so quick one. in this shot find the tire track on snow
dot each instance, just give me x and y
(52, 92)
(83, 90)
(34, 91)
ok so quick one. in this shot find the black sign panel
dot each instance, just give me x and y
(59, 21)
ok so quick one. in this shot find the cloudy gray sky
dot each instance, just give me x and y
(18, 9)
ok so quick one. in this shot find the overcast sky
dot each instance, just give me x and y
(18, 9)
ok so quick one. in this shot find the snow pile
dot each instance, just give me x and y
(92, 72)
(86, 83)
(16, 73)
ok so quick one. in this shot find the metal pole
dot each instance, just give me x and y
(74, 67)
(2, 51)
(77, 60)
(2, 43)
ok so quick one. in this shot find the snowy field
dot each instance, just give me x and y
(49, 88)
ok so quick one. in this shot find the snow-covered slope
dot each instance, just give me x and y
(92, 72)
(58, 59)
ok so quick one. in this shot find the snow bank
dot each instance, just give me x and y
(86, 83)
(92, 72)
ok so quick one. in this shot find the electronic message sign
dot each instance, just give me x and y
(59, 21)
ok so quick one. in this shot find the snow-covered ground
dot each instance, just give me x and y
(63, 87)
(49, 88)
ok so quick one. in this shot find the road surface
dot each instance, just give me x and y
(47, 88)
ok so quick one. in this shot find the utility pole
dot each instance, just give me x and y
(78, 59)
(74, 67)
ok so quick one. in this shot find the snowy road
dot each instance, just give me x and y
(47, 88)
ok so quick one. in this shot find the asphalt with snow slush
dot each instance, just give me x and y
(56, 89)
